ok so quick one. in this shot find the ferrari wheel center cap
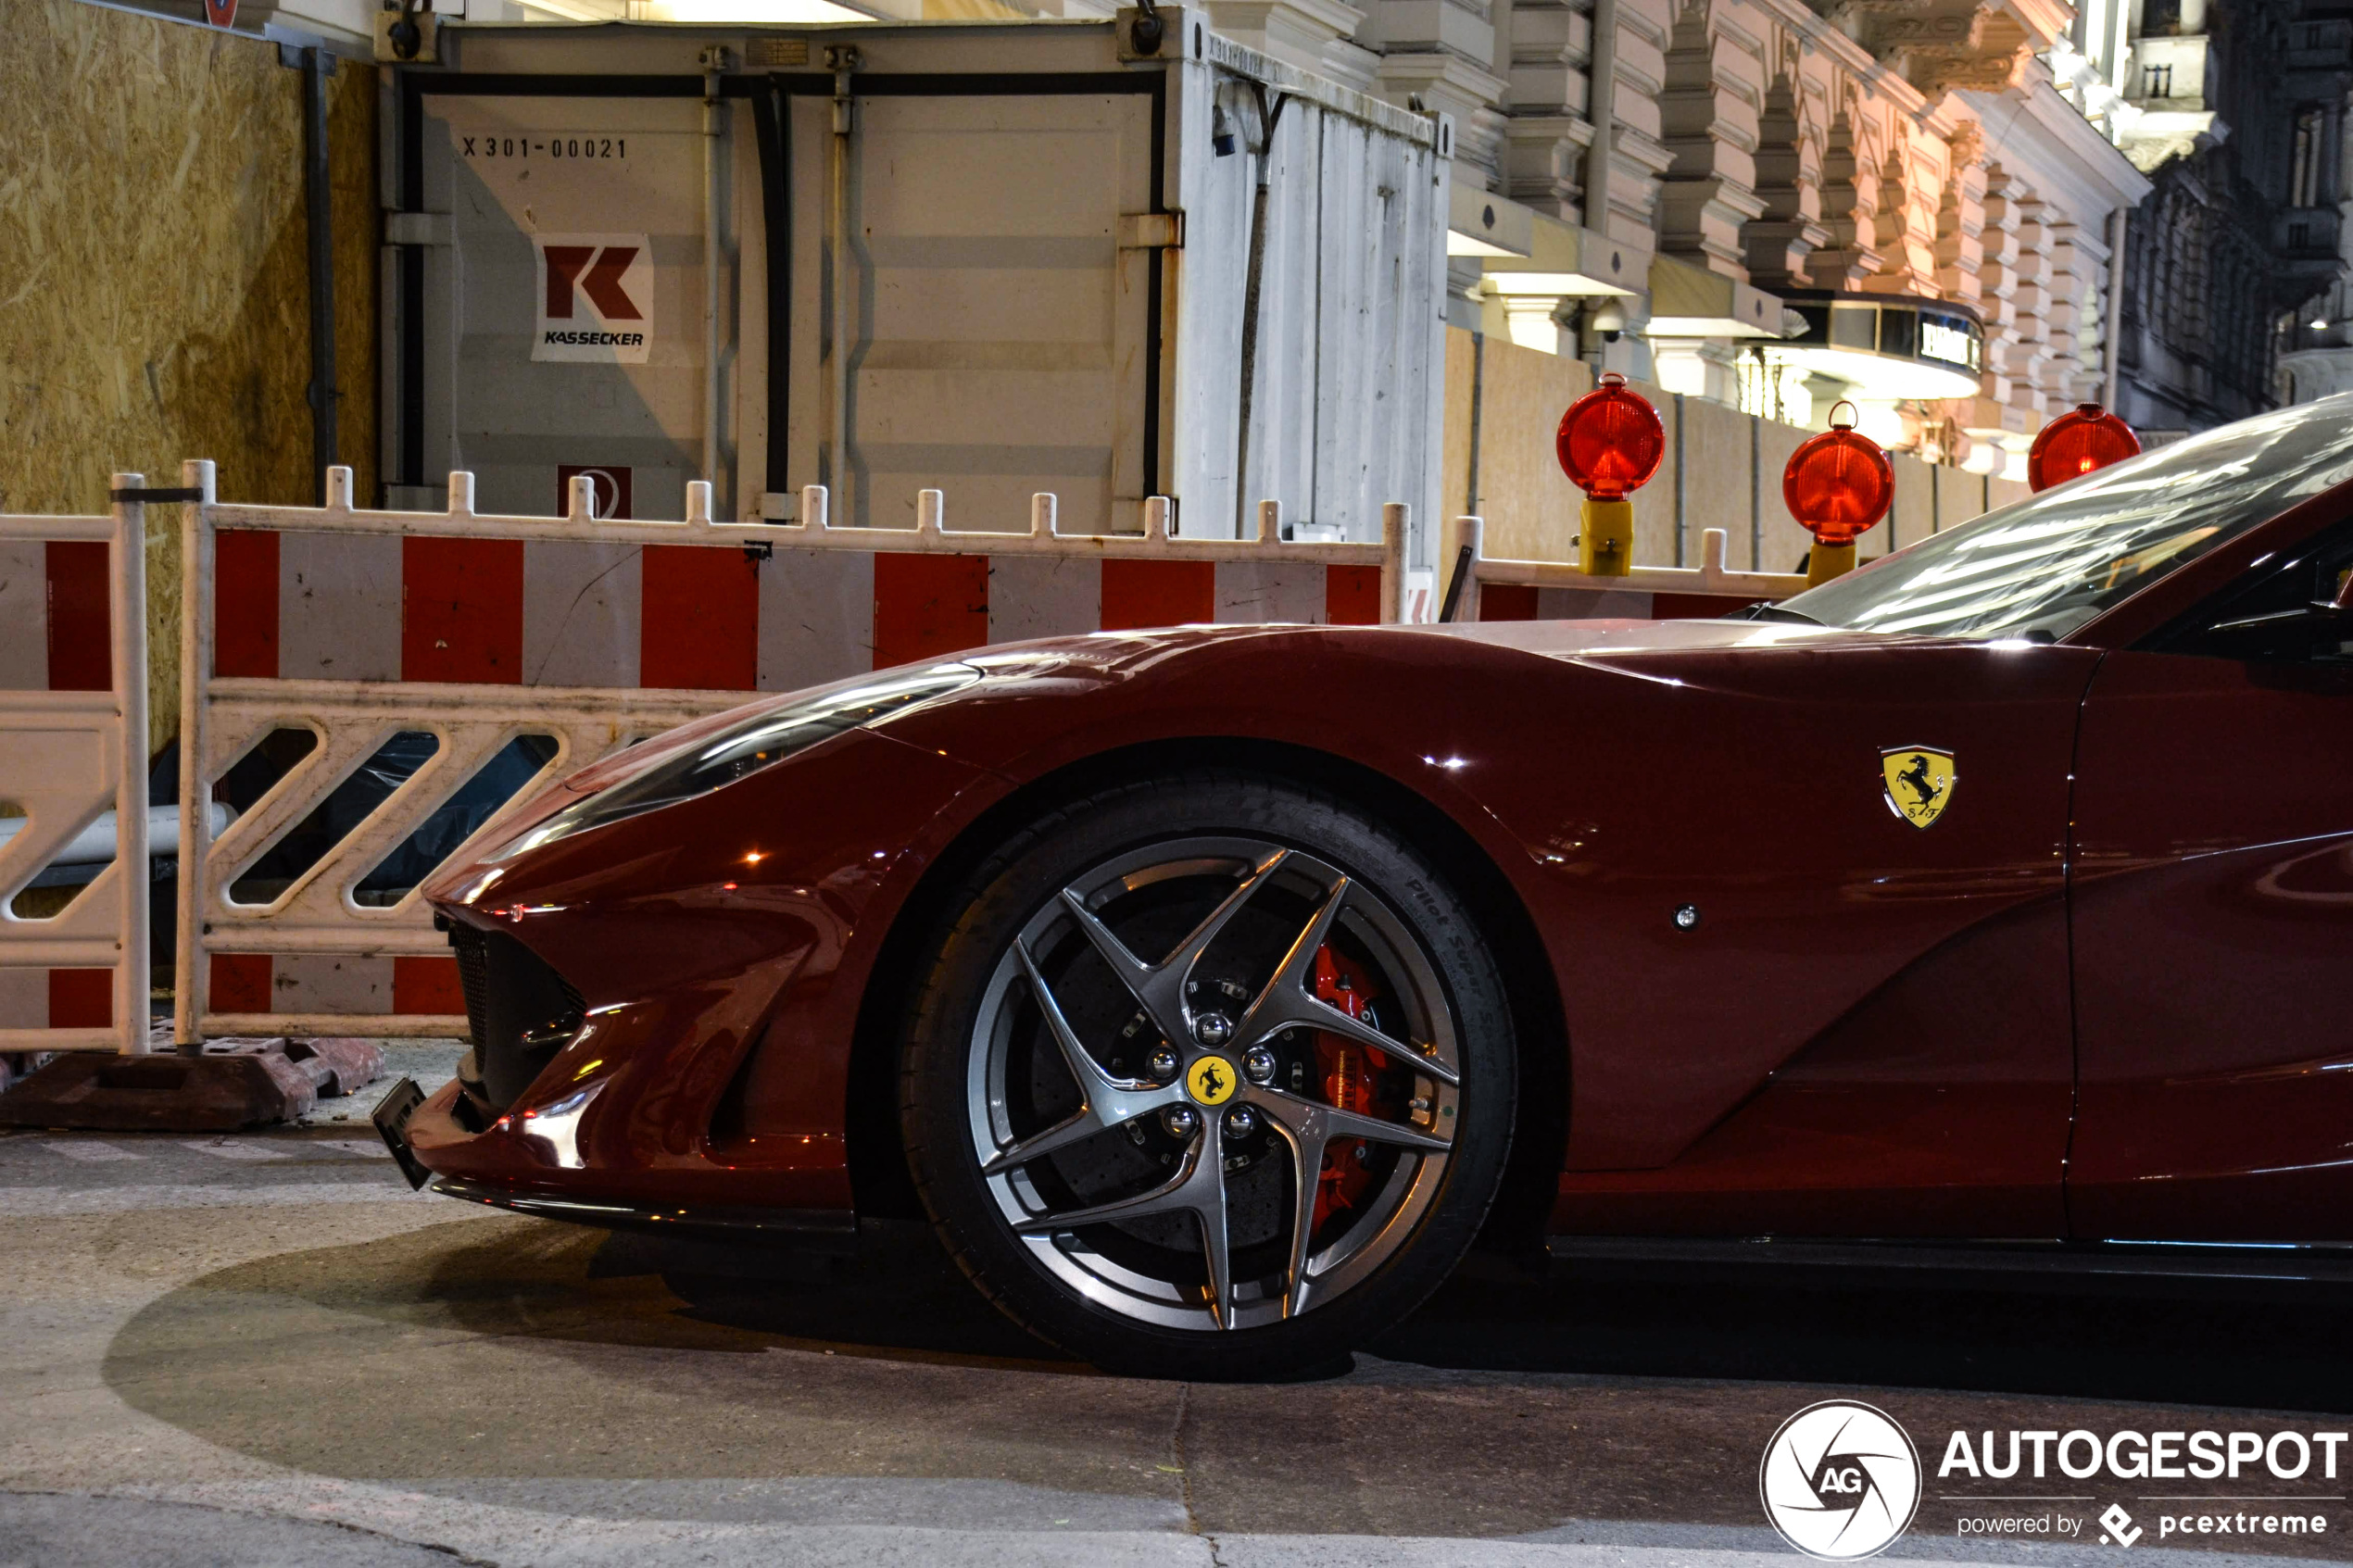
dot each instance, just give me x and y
(1211, 1080)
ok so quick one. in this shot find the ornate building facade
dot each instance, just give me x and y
(1907, 203)
(2234, 299)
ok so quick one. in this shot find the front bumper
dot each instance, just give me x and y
(664, 1007)
(423, 1133)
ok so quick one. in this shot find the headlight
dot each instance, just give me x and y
(723, 757)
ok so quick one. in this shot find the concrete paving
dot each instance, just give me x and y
(262, 1349)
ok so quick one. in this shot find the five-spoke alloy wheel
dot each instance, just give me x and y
(1212, 1078)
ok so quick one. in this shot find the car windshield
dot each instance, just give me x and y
(2044, 567)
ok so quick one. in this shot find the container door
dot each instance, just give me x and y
(999, 335)
(566, 313)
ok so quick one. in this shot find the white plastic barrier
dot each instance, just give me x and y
(74, 748)
(357, 625)
(1532, 590)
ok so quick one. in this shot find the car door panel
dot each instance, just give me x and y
(2213, 919)
(1867, 1033)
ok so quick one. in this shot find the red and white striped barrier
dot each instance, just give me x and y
(590, 631)
(1479, 588)
(73, 753)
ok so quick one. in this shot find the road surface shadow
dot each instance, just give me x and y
(2246, 1345)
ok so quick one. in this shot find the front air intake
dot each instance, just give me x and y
(519, 1012)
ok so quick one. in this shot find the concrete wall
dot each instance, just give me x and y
(1728, 476)
(154, 280)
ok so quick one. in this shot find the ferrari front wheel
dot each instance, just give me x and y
(1213, 1078)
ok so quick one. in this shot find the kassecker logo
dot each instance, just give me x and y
(595, 298)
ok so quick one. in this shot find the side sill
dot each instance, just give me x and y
(2002, 1262)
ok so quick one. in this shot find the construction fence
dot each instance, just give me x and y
(362, 691)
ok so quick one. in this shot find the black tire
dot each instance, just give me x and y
(1429, 930)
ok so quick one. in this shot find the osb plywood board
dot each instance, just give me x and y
(1529, 505)
(1654, 502)
(154, 280)
(1908, 520)
(1961, 496)
(1785, 542)
(1717, 458)
(1453, 483)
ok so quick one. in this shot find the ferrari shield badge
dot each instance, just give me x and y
(1211, 1080)
(1917, 781)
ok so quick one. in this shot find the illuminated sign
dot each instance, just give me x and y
(1948, 341)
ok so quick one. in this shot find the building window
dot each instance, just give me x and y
(2299, 237)
(2304, 188)
(2157, 81)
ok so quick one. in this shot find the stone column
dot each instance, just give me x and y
(1628, 211)
(1997, 280)
(1776, 244)
(1546, 131)
(2029, 351)
(1850, 199)
(1430, 52)
(1708, 124)
(1904, 230)
(2066, 322)
(1961, 218)
(1317, 35)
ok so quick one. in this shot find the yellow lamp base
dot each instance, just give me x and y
(1824, 562)
(1606, 539)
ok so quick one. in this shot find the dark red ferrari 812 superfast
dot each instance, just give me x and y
(1213, 989)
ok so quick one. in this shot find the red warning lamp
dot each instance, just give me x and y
(1838, 484)
(1610, 444)
(2074, 445)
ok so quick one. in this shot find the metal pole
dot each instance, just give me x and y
(129, 614)
(189, 976)
(1479, 380)
(712, 385)
(1252, 277)
(1601, 109)
(843, 60)
(2112, 326)
(318, 192)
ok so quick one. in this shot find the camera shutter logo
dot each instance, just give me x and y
(1839, 1481)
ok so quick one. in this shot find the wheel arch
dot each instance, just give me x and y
(879, 1181)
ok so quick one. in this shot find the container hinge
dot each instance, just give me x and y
(416, 229)
(1151, 230)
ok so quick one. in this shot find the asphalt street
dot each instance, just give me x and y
(262, 1349)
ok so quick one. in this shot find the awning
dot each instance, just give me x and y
(1690, 301)
(1560, 259)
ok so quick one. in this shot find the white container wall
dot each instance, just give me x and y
(1024, 238)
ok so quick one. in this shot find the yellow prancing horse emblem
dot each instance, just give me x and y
(1917, 781)
(1211, 1080)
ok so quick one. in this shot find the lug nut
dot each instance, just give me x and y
(1212, 1029)
(1162, 1064)
(1240, 1121)
(1179, 1120)
(1258, 1064)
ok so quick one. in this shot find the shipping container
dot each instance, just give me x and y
(987, 258)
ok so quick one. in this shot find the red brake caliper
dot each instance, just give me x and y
(1351, 1080)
